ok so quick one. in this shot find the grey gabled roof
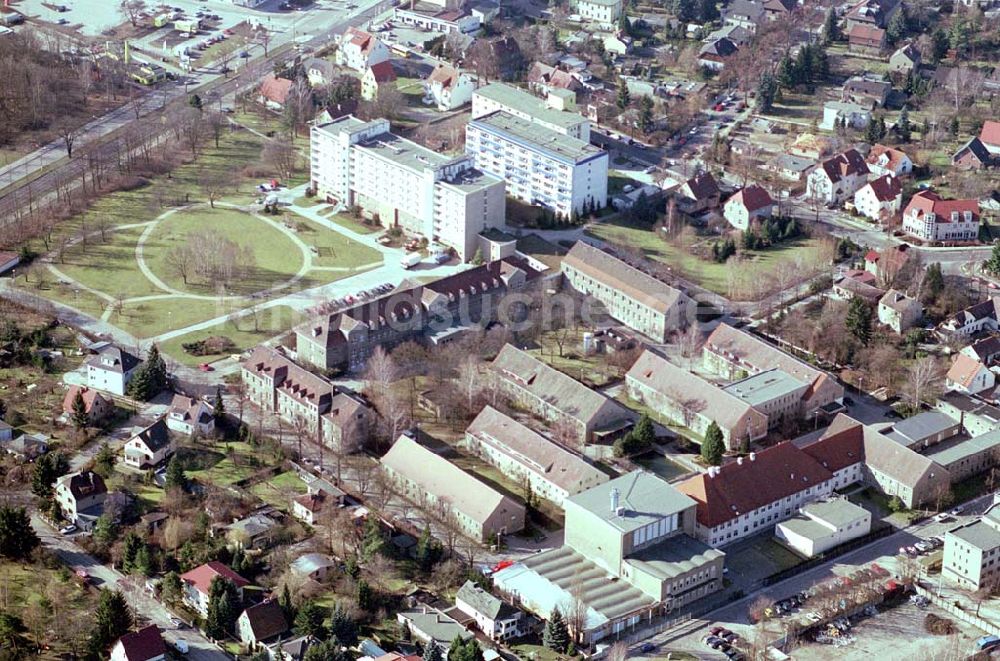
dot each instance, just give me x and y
(483, 602)
(156, 436)
(643, 498)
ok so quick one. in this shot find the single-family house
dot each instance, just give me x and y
(899, 311)
(190, 416)
(904, 60)
(426, 624)
(840, 113)
(866, 39)
(543, 78)
(375, 78)
(887, 263)
(789, 167)
(320, 496)
(880, 199)
(146, 644)
(27, 447)
(150, 446)
(313, 566)
(261, 624)
(448, 87)
(359, 50)
(857, 283)
(875, 13)
(80, 497)
(746, 205)
(888, 160)
(973, 319)
(97, 406)
(274, 91)
(973, 155)
(838, 178)
(606, 12)
(493, 616)
(744, 13)
(111, 369)
(969, 375)
(866, 90)
(697, 194)
(197, 584)
(989, 135)
(930, 217)
(319, 72)
(256, 531)
(715, 54)
(618, 43)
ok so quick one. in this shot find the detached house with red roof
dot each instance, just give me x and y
(931, 217)
(866, 39)
(747, 205)
(990, 136)
(274, 91)
(448, 87)
(197, 584)
(376, 77)
(97, 406)
(359, 50)
(838, 178)
(880, 199)
(969, 375)
(146, 644)
(888, 160)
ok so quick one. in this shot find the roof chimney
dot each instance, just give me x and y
(614, 499)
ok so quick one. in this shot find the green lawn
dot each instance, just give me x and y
(280, 489)
(335, 250)
(225, 467)
(709, 274)
(109, 266)
(270, 323)
(354, 225)
(276, 257)
(413, 88)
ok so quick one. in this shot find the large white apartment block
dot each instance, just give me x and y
(602, 11)
(444, 198)
(972, 552)
(499, 96)
(541, 167)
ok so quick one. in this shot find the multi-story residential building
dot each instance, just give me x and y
(601, 11)
(976, 416)
(359, 50)
(588, 414)
(822, 525)
(377, 77)
(888, 160)
(111, 369)
(526, 457)
(683, 397)
(80, 497)
(345, 339)
(969, 375)
(541, 167)
(490, 98)
(640, 301)
(746, 205)
(756, 492)
(445, 199)
(150, 446)
(899, 311)
(930, 217)
(337, 417)
(774, 393)
(978, 317)
(838, 178)
(735, 354)
(430, 480)
(190, 416)
(963, 458)
(493, 616)
(972, 552)
(449, 87)
(629, 555)
(880, 199)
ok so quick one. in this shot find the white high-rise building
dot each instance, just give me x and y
(500, 96)
(444, 198)
(541, 167)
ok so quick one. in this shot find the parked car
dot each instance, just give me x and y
(67, 530)
(956, 511)
(646, 648)
(205, 367)
(942, 517)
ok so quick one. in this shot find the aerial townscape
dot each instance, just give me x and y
(500, 330)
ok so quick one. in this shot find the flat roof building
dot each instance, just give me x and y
(971, 556)
(541, 167)
(501, 96)
(443, 198)
(823, 525)
(775, 393)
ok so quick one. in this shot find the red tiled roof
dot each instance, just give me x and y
(894, 156)
(964, 370)
(866, 34)
(753, 197)
(89, 397)
(144, 644)
(383, 72)
(201, 577)
(845, 164)
(928, 201)
(886, 187)
(763, 478)
(275, 89)
(443, 73)
(872, 255)
(840, 446)
(990, 135)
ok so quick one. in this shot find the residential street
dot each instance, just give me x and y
(148, 608)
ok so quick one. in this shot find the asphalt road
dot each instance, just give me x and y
(201, 649)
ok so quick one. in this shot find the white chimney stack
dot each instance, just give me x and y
(614, 499)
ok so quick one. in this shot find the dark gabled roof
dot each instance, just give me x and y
(84, 484)
(266, 620)
(144, 644)
(753, 197)
(156, 436)
(886, 187)
(976, 148)
(702, 186)
(845, 164)
(114, 359)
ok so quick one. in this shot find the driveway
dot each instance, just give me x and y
(201, 649)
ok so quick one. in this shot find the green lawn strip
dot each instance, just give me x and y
(277, 258)
(410, 86)
(79, 299)
(280, 489)
(270, 322)
(109, 267)
(333, 249)
(355, 225)
(151, 318)
(711, 275)
(233, 467)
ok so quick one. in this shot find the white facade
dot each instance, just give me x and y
(899, 311)
(927, 226)
(541, 167)
(445, 22)
(499, 96)
(815, 532)
(443, 199)
(972, 552)
(359, 50)
(856, 116)
(820, 184)
(740, 217)
(602, 11)
(450, 90)
(868, 204)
